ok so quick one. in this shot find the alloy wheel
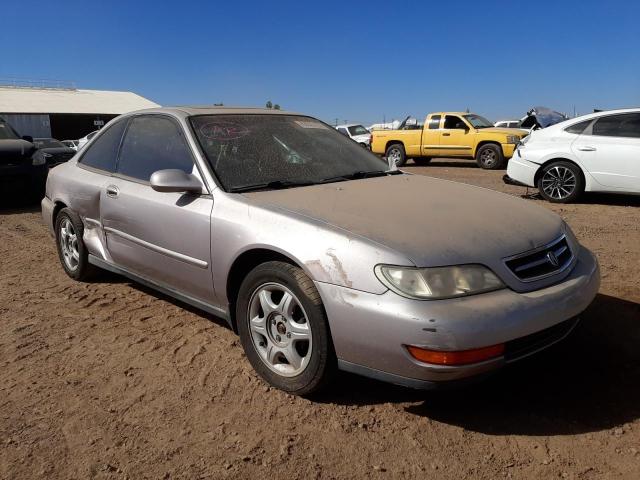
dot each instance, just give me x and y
(280, 330)
(394, 154)
(69, 244)
(559, 182)
(488, 157)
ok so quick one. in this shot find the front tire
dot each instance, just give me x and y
(490, 157)
(283, 328)
(72, 251)
(560, 182)
(396, 152)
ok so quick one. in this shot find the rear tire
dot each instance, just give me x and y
(560, 182)
(72, 251)
(396, 152)
(422, 161)
(284, 330)
(490, 157)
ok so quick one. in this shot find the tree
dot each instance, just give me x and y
(269, 104)
(276, 107)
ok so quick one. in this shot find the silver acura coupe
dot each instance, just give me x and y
(316, 253)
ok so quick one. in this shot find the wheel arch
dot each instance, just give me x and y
(240, 268)
(58, 205)
(393, 142)
(487, 142)
(560, 159)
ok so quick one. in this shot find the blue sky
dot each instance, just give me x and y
(356, 61)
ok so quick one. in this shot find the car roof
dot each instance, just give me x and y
(590, 116)
(347, 125)
(213, 110)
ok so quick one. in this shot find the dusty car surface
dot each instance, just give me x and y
(313, 251)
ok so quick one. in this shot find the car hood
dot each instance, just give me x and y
(432, 222)
(503, 131)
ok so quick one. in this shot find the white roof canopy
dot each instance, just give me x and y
(48, 100)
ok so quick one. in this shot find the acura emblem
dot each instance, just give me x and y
(553, 260)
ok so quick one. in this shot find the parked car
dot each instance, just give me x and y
(599, 152)
(314, 251)
(84, 140)
(20, 172)
(52, 151)
(71, 144)
(357, 133)
(449, 134)
(507, 124)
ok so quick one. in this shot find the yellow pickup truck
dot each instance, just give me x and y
(449, 134)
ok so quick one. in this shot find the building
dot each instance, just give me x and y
(63, 112)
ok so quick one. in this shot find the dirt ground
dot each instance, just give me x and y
(112, 380)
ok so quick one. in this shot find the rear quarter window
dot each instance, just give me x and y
(103, 152)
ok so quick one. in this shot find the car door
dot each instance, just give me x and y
(431, 136)
(454, 137)
(609, 149)
(162, 237)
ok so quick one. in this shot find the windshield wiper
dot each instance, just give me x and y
(274, 185)
(358, 175)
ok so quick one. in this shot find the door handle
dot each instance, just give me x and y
(586, 148)
(112, 191)
(446, 134)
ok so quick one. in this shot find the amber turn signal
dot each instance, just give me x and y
(462, 357)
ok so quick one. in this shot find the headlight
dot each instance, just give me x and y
(439, 282)
(513, 139)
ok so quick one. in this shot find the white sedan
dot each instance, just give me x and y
(599, 152)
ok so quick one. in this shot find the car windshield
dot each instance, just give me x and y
(7, 133)
(47, 143)
(280, 151)
(358, 130)
(478, 122)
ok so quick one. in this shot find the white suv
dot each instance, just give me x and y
(357, 133)
(599, 152)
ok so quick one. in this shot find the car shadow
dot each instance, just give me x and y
(17, 205)
(588, 382)
(589, 198)
(464, 163)
(178, 303)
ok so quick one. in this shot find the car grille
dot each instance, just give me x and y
(541, 262)
(523, 346)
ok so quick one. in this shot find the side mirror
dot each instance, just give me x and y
(173, 180)
(28, 138)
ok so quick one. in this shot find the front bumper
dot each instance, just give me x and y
(369, 331)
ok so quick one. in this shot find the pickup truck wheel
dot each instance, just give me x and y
(490, 157)
(396, 152)
(422, 160)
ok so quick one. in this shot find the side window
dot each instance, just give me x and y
(343, 131)
(434, 122)
(103, 152)
(453, 122)
(624, 125)
(579, 127)
(153, 143)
